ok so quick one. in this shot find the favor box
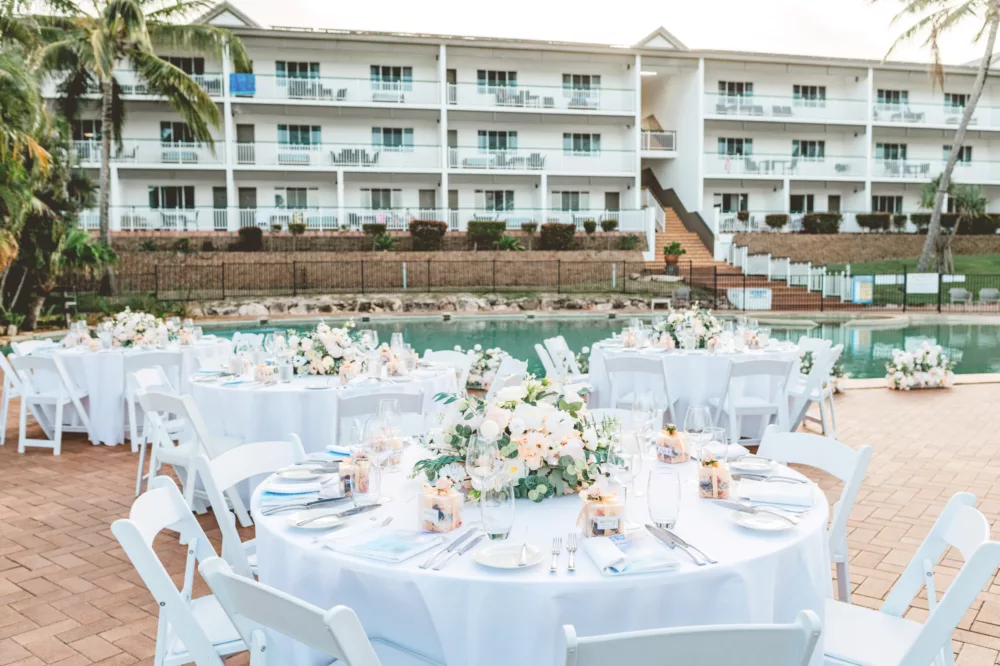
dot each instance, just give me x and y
(440, 510)
(604, 517)
(671, 446)
(714, 480)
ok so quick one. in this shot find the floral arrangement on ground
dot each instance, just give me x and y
(694, 321)
(927, 367)
(549, 445)
(326, 351)
(485, 363)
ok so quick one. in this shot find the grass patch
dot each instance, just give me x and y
(969, 264)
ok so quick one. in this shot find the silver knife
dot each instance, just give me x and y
(304, 505)
(684, 544)
(746, 508)
(769, 479)
(447, 549)
(461, 551)
(672, 543)
(358, 509)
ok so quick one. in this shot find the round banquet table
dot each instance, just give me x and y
(307, 406)
(688, 379)
(102, 375)
(469, 615)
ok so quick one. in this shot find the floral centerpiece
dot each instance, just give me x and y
(485, 363)
(136, 329)
(544, 435)
(927, 367)
(695, 321)
(326, 351)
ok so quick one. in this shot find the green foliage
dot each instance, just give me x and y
(821, 223)
(629, 242)
(673, 249)
(428, 235)
(276, 227)
(609, 224)
(251, 240)
(874, 221)
(899, 221)
(148, 245)
(743, 215)
(589, 227)
(557, 236)
(509, 244)
(921, 221)
(182, 245)
(373, 229)
(776, 220)
(384, 243)
(296, 228)
(486, 234)
(529, 227)
(11, 317)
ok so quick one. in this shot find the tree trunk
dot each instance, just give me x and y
(34, 309)
(933, 241)
(109, 285)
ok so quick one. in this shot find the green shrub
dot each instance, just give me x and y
(529, 227)
(821, 223)
(373, 229)
(609, 225)
(297, 228)
(509, 244)
(776, 220)
(384, 243)
(629, 242)
(182, 245)
(589, 227)
(427, 235)
(149, 245)
(981, 226)
(276, 227)
(207, 245)
(673, 249)
(899, 221)
(556, 236)
(251, 240)
(486, 233)
(921, 221)
(874, 221)
(743, 215)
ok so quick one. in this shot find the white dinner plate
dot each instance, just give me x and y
(752, 464)
(761, 521)
(319, 387)
(506, 555)
(325, 519)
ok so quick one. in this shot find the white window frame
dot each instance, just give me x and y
(811, 150)
(898, 148)
(964, 155)
(887, 203)
(581, 144)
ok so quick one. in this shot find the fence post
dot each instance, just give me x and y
(905, 291)
(558, 276)
(744, 304)
(715, 286)
(295, 280)
(494, 276)
(404, 276)
(156, 281)
(223, 280)
(940, 287)
(428, 276)
(362, 276)
(691, 272)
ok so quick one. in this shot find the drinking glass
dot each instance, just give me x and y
(197, 333)
(496, 502)
(764, 336)
(368, 337)
(396, 343)
(717, 442)
(727, 327)
(269, 344)
(753, 324)
(188, 322)
(625, 466)
(174, 323)
(388, 415)
(663, 497)
(635, 324)
(697, 421)
(741, 321)
(285, 370)
(482, 460)
(365, 482)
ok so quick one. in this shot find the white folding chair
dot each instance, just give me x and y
(564, 358)
(11, 389)
(651, 369)
(715, 645)
(461, 362)
(46, 390)
(817, 386)
(145, 379)
(168, 362)
(774, 376)
(838, 460)
(866, 637)
(193, 441)
(248, 341)
(26, 347)
(224, 472)
(259, 611)
(188, 630)
(510, 373)
(815, 345)
(548, 364)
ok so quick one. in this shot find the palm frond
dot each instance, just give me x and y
(174, 9)
(188, 98)
(126, 21)
(117, 116)
(197, 38)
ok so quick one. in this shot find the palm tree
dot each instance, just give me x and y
(970, 204)
(88, 51)
(935, 18)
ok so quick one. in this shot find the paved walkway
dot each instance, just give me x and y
(68, 596)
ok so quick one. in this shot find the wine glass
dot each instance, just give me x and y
(716, 444)
(188, 322)
(496, 502)
(741, 321)
(697, 421)
(269, 344)
(388, 415)
(663, 497)
(764, 336)
(482, 460)
(625, 466)
(396, 343)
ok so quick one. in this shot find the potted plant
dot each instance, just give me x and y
(671, 255)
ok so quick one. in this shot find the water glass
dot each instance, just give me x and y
(763, 336)
(727, 327)
(188, 322)
(396, 343)
(663, 497)
(285, 370)
(368, 337)
(365, 482)
(496, 502)
(717, 441)
(697, 422)
(197, 334)
(625, 466)
(741, 321)
(482, 460)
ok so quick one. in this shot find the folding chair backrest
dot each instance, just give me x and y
(29, 346)
(169, 362)
(36, 372)
(511, 372)
(562, 355)
(746, 645)
(10, 375)
(159, 508)
(149, 378)
(774, 370)
(360, 402)
(251, 341)
(232, 467)
(462, 363)
(157, 402)
(634, 364)
(814, 345)
(551, 370)
(254, 607)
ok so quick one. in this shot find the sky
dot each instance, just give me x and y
(832, 28)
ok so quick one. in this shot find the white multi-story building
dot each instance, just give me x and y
(339, 128)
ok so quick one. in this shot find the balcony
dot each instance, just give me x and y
(544, 98)
(932, 114)
(340, 91)
(132, 86)
(923, 170)
(659, 141)
(730, 223)
(782, 166)
(768, 107)
(278, 219)
(144, 218)
(150, 152)
(337, 155)
(542, 159)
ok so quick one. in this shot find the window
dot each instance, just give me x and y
(964, 154)
(296, 70)
(887, 203)
(893, 97)
(384, 198)
(186, 65)
(391, 77)
(813, 150)
(574, 83)
(809, 95)
(171, 196)
(735, 146)
(581, 144)
(890, 151)
(736, 88)
(293, 197)
(393, 138)
(801, 203)
(571, 200)
(734, 202)
(175, 132)
(86, 130)
(495, 200)
(490, 79)
(299, 135)
(497, 140)
(956, 100)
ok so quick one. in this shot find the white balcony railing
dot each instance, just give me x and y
(784, 108)
(628, 220)
(532, 97)
(355, 156)
(131, 85)
(541, 159)
(659, 140)
(343, 91)
(278, 219)
(780, 166)
(86, 152)
(143, 218)
(90, 220)
(153, 151)
(931, 114)
(925, 169)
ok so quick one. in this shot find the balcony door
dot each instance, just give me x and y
(245, 146)
(612, 201)
(247, 200)
(802, 203)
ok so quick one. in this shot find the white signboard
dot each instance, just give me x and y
(750, 299)
(922, 283)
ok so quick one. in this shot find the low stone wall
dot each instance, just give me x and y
(848, 248)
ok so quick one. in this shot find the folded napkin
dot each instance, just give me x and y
(268, 499)
(777, 492)
(632, 554)
(337, 450)
(385, 545)
(732, 451)
(292, 487)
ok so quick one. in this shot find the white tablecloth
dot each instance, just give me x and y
(689, 381)
(468, 615)
(264, 413)
(102, 374)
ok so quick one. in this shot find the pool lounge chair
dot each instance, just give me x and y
(960, 296)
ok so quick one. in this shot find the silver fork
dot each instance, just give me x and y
(556, 550)
(571, 549)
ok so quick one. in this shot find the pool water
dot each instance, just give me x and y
(976, 348)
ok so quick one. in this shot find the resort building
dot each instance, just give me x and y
(339, 128)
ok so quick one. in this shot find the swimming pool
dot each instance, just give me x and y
(975, 347)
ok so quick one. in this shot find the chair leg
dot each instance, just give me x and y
(833, 418)
(22, 430)
(3, 416)
(133, 428)
(822, 415)
(238, 508)
(734, 427)
(58, 428)
(138, 472)
(258, 648)
(844, 581)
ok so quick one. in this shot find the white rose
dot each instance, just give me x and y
(559, 424)
(516, 426)
(490, 430)
(511, 394)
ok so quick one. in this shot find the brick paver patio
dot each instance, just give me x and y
(68, 596)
